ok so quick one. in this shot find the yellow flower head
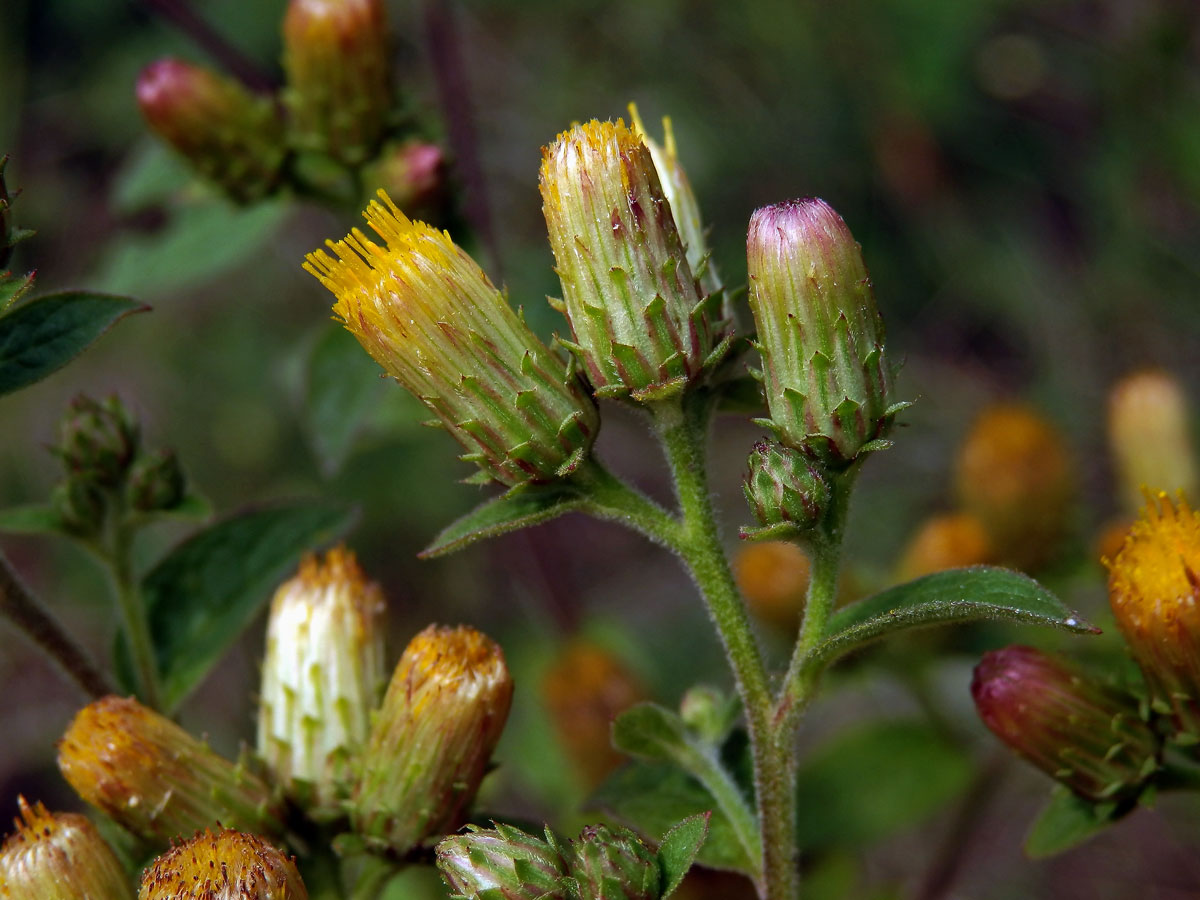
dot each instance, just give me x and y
(59, 856)
(429, 315)
(155, 779)
(433, 737)
(641, 323)
(222, 865)
(322, 674)
(1154, 584)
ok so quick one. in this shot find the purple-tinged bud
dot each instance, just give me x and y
(338, 69)
(613, 863)
(59, 856)
(157, 482)
(222, 865)
(501, 863)
(98, 441)
(641, 325)
(827, 377)
(413, 174)
(1086, 734)
(785, 490)
(227, 134)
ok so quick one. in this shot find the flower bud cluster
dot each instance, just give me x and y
(223, 864)
(503, 863)
(107, 471)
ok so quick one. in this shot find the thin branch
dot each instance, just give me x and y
(35, 621)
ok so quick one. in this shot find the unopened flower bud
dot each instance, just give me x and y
(81, 506)
(642, 326)
(432, 738)
(585, 687)
(613, 863)
(227, 134)
(708, 712)
(1086, 734)
(338, 71)
(98, 441)
(948, 541)
(1154, 589)
(501, 863)
(149, 775)
(59, 856)
(429, 315)
(1013, 473)
(157, 482)
(1149, 430)
(322, 675)
(785, 490)
(773, 577)
(412, 173)
(222, 865)
(827, 375)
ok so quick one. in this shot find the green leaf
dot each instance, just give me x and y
(1066, 821)
(957, 595)
(36, 518)
(652, 797)
(678, 850)
(532, 505)
(651, 732)
(875, 780)
(206, 591)
(43, 335)
(343, 385)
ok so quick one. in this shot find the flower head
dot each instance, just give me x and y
(641, 324)
(1154, 589)
(148, 774)
(59, 856)
(227, 134)
(501, 863)
(433, 737)
(222, 865)
(1087, 735)
(322, 676)
(785, 490)
(337, 61)
(429, 315)
(826, 374)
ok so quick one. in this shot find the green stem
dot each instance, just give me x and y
(683, 431)
(703, 763)
(133, 612)
(19, 605)
(608, 497)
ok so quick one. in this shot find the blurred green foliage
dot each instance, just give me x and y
(1024, 178)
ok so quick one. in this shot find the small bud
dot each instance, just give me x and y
(708, 712)
(81, 506)
(612, 863)
(338, 70)
(433, 737)
(59, 856)
(1154, 586)
(642, 326)
(773, 577)
(948, 541)
(827, 376)
(1149, 430)
(584, 689)
(98, 441)
(227, 134)
(322, 675)
(1013, 473)
(152, 777)
(427, 313)
(222, 865)
(412, 173)
(157, 482)
(501, 863)
(1086, 734)
(785, 490)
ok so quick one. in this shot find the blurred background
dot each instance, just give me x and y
(1024, 178)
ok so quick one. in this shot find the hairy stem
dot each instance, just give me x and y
(30, 616)
(133, 613)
